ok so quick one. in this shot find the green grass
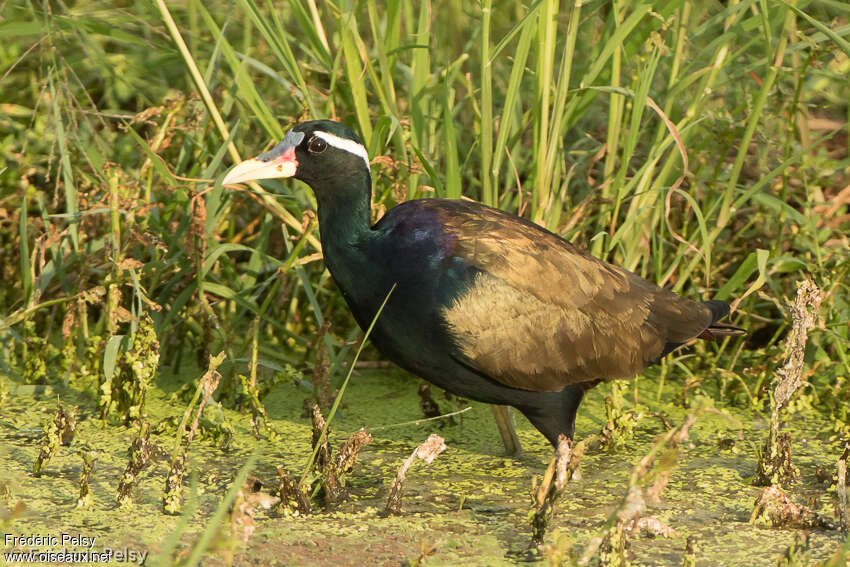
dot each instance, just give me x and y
(704, 145)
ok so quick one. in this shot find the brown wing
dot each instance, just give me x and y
(541, 314)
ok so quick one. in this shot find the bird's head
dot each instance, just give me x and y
(312, 151)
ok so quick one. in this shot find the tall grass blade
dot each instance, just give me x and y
(545, 69)
(24, 250)
(420, 107)
(488, 195)
(338, 398)
(71, 206)
(215, 523)
(355, 72)
(272, 30)
(527, 27)
(453, 180)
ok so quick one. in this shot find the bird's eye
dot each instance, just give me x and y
(317, 145)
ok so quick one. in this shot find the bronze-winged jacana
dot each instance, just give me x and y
(488, 306)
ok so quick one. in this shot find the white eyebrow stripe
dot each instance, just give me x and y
(345, 144)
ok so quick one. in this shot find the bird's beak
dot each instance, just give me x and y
(278, 162)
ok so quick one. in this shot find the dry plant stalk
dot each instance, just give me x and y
(561, 470)
(323, 457)
(649, 478)
(775, 464)
(258, 411)
(331, 486)
(654, 527)
(58, 432)
(208, 385)
(321, 369)
(346, 456)
(427, 451)
(172, 498)
(611, 546)
(667, 461)
(123, 391)
(84, 500)
(796, 554)
(689, 558)
(775, 508)
(70, 427)
(620, 421)
(334, 469)
(804, 314)
(842, 488)
(339, 467)
(139, 455)
(344, 462)
(427, 404)
(294, 501)
(248, 500)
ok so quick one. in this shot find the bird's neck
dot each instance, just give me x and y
(344, 209)
(348, 244)
(347, 240)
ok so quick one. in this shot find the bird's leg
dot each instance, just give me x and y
(505, 423)
(573, 396)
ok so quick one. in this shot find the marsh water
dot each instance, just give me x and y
(469, 507)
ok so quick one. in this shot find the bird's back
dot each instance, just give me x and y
(521, 305)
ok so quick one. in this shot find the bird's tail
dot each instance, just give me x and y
(716, 331)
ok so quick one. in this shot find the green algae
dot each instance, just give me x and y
(470, 506)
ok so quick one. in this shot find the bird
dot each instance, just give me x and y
(485, 304)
